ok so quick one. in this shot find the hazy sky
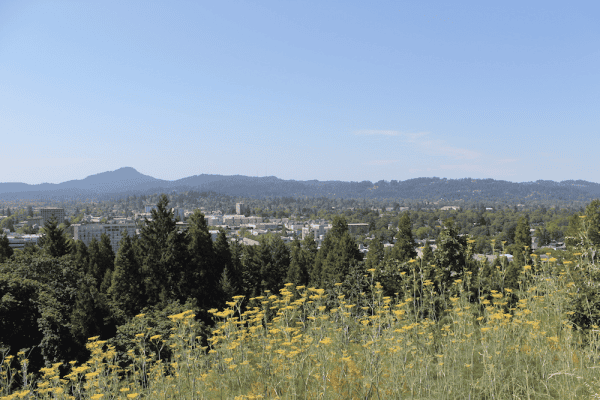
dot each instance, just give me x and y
(348, 90)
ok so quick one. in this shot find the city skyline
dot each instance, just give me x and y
(318, 90)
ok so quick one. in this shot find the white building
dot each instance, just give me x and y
(19, 241)
(47, 212)
(86, 233)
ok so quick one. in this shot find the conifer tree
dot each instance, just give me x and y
(227, 260)
(81, 256)
(404, 248)
(522, 242)
(298, 271)
(54, 242)
(204, 273)
(592, 221)
(5, 250)
(164, 256)
(338, 253)
(106, 263)
(450, 254)
(375, 254)
(427, 255)
(126, 292)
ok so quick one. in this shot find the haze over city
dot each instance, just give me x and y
(313, 90)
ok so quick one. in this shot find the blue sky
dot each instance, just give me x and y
(324, 90)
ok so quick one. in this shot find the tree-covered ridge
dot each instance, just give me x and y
(127, 181)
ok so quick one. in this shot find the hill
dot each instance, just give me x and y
(127, 181)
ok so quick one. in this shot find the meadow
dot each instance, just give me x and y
(304, 343)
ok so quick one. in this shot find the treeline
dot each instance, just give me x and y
(54, 298)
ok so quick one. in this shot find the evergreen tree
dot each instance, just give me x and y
(101, 262)
(250, 263)
(449, 257)
(311, 249)
(164, 255)
(592, 222)
(86, 317)
(54, 242)
(375, 254)
(271, 259)
(298, 271)
(93, 260)
(427, 256)
(8, 213)
(29, 211)
(5, 250)
(126, 289)
(404, 248)
(338, 253)
(81, 256)
(522, 242)
(227, 260)
(204, 272)
(227, 285)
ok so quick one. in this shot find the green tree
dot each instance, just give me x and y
(204, 273)
(8, 223)
(81, 256)
(375, 254)
(592, 222)
(164, 255)
(6, 251)
(54, 242)
(126, 289)
(274, 262)
(404, 248)
(298, 271)
(427, 255)
(338, 253)
(106, 262)
(227, 260)
(88, 315)
(522, 242)
(449, 256)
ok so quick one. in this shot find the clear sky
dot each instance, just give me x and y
(328, 90)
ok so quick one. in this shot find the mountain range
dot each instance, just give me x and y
(128, 181)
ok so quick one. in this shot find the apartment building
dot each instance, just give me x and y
(47, 212)
(86, 233)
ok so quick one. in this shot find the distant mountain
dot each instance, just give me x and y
(127, 181)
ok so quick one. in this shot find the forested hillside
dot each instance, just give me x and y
(127, 181)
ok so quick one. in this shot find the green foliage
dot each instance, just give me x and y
(6, 251)
(54, 242)
(337, 254)
(161, 247)
(375, 254)
(126, 290)
(427, 255)
(404, 248)
(592, 222)
(450, 255)
(299, 264)
(201, 278)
